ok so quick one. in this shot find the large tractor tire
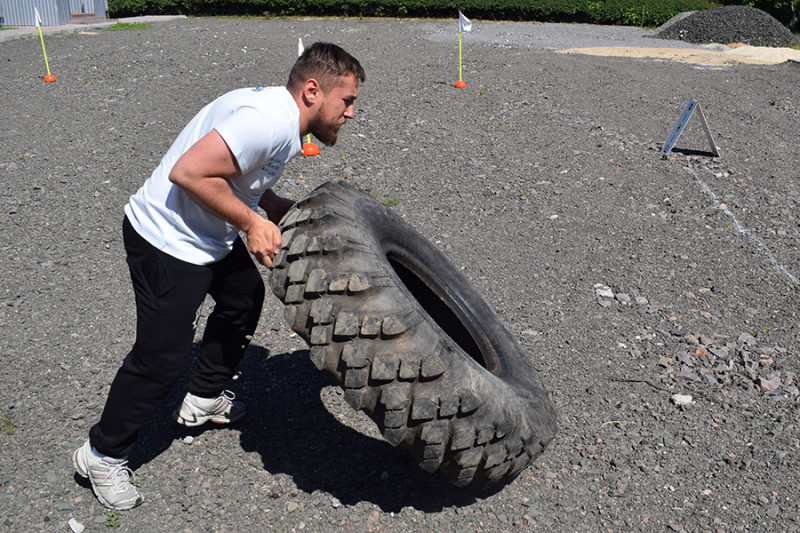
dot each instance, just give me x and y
(410, 341)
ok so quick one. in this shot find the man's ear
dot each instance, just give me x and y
(311, 91)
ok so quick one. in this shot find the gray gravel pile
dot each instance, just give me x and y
(658, 299)
(726, 25)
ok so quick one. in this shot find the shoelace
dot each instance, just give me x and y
(120, 470)
(228, 395)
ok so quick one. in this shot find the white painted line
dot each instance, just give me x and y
(741, 229)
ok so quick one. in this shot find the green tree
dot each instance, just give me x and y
(783, 10)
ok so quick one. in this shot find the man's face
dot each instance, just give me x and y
(334, 110)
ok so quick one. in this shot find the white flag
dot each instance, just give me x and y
(464, 23)
(300, 47)
(36, 18)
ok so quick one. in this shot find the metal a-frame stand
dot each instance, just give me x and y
(687, 114)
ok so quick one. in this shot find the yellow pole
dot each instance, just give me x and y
(459, 56)
(43, 50)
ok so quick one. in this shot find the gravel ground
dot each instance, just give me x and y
(632, 282)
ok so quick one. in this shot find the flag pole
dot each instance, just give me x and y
(459, 57)
(460, 83)
(464, 24)
(309, 148)
(49, 78)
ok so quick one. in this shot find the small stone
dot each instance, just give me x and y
(603, 291)
(75, 526)
(685, 373)
(188, 439)
(772, 512)
(682, 399)
(771, 382)
(292, 506)
(641, 300)
(746, 338)
(683, 357)
(623, 298)
(720, 352)
(705, 340)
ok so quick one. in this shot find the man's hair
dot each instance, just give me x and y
(325, 62)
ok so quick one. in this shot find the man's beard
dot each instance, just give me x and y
(327, 133)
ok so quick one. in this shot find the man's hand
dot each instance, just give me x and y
(263, 240)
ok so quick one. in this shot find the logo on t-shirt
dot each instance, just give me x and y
(273, 168)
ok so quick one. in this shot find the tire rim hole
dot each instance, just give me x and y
(439, 310)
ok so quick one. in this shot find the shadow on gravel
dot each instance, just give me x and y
(290, 427)
(690, 152)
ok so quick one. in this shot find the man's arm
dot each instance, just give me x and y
(203, 172)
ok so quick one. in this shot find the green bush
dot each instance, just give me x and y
(640, 13)
(629, 12)
(786, 11)
(131, 8)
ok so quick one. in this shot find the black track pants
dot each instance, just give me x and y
(169, 293)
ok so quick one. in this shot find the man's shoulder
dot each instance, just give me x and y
(258, 95)
(256, 116)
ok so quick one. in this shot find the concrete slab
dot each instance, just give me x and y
(18, 32)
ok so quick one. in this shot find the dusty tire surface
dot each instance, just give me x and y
(407, 337)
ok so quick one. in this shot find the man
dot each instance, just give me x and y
(181, 234)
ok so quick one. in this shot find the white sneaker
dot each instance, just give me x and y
(196, 411)
(113, 483)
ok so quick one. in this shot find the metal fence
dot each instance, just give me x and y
(20, 12)
(81, 6)
(51, 12)
(98, 7)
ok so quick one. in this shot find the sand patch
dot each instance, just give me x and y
(754, 55)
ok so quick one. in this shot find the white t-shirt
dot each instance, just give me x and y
(261, 126)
